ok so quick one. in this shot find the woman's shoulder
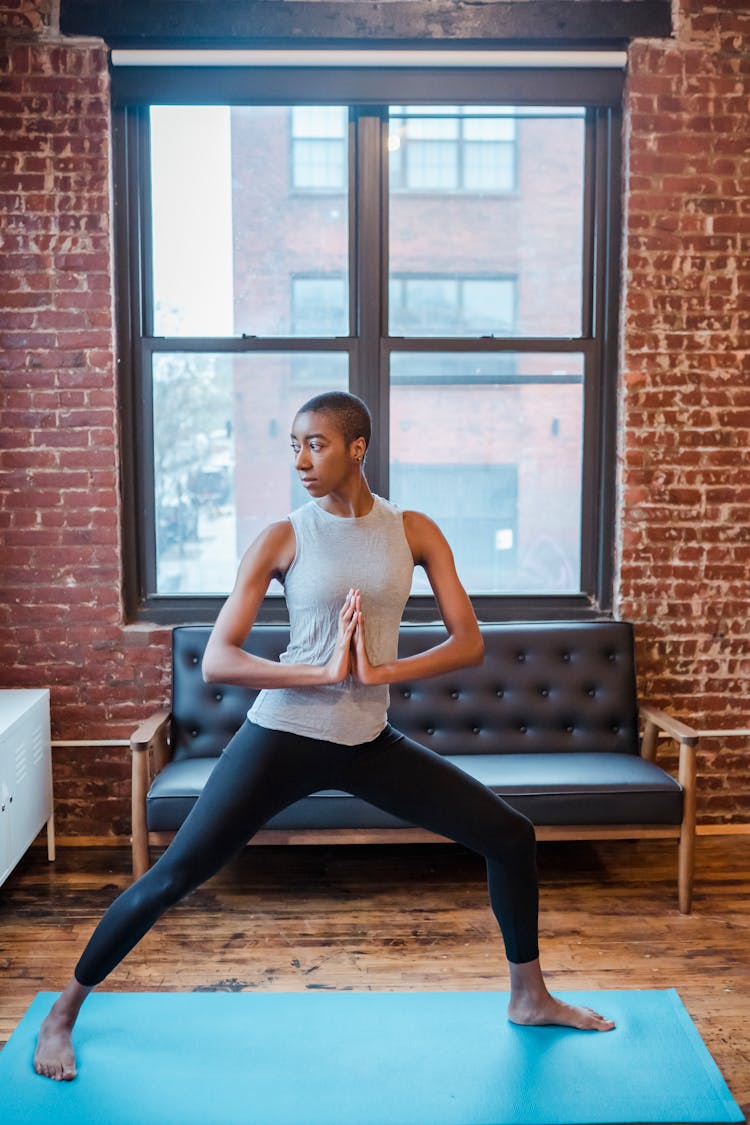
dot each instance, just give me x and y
(422, 534)
(408, 515)
(274, 538)
(418, 521)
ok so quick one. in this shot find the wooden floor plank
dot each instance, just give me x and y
(404, 917)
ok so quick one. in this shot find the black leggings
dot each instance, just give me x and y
(262, 771)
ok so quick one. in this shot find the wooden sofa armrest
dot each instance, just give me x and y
(687, 736)
(657, 720)
(150, 739)
(153, 736)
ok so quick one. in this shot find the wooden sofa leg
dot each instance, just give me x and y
(686, 856)
(139, 827)
(141, 856)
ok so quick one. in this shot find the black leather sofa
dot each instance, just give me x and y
(550, 721)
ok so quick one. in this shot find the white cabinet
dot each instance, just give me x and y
(25, 774)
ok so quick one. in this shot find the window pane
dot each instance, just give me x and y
(432, 164)
(488, 306)
(191, 208)
(423, 126)
(510, 203)
(245, 198)
(489, 123)
(318, 164)
(495, 458)
(222, 461)
(452, 306)
(319, 304)
(489, 166)
(318, 121)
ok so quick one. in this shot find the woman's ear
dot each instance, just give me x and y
(358, 449)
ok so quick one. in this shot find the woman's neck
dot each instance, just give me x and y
(350, 502)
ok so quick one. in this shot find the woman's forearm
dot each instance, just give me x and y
(230, 665)
(453, 653)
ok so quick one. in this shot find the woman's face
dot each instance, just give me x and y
(321, 456)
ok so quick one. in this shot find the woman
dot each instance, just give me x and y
(319, 721)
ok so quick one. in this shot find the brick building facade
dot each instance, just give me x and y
(683, 567)
(526, 438)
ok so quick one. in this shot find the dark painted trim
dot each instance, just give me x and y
(236, 23)
(238, 344)
(126, 169)
(610, 313)
(186, 85)
(368, 232)
(422, 610)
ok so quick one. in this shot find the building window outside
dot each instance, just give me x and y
(451, 306)
(452, 148)
(480, 365)
(318, 148)
(466, 148)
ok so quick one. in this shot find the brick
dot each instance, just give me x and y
(26, 459)
(88, 458)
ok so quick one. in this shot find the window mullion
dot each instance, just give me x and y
(609, 161)
(143, 188)
(147, 470)
(131, 172)
(590, 248)
(597, 486)
(367, 378)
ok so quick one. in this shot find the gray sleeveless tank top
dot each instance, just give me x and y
(333, 554)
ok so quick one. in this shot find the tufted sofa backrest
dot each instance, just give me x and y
(543, 687)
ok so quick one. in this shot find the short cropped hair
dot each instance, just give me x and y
(352, 416)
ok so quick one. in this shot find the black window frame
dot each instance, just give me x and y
(368, 93)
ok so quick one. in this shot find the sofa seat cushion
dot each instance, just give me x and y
(551, 789)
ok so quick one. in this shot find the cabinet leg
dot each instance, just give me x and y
(51, 838)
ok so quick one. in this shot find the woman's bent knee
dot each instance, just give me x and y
(517, 837)
(174, 884)
(162, 887)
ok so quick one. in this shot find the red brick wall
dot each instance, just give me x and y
(61, 610)
(685, 401)
(684, 513)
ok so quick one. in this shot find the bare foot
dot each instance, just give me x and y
(54, 1056)
(548, 1010)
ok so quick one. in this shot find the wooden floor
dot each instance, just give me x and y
(404, 917)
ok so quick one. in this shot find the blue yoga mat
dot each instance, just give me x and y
(365, 1058)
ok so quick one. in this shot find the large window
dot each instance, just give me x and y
(454, 264)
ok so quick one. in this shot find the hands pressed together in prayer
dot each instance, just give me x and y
(349, 656)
